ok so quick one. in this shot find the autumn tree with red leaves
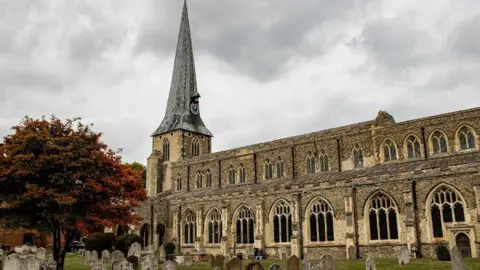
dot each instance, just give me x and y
(58, 177)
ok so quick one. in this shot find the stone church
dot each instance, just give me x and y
(369, 187)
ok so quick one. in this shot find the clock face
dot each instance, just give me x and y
(194, 108)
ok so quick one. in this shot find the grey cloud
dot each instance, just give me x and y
(466, 39)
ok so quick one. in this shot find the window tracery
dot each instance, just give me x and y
(357, 157)
(321, 222)
(382, 218)
(166, 150)
(245, 226)
(214, 227)
(190, 229)
(466, 138)
(413, 147)
(280, 168)
(439, 142)
(282, 222)
(311, 163)
(268, 170)
(445, 206)
(389, 150)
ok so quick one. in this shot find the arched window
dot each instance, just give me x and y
(382, 216)
(357, 157)
(189, 228)
(413, 147)
(324, 165)
(245, 226)
(310, 163)
(321, 221)
(231, 175)
(268, 170)
(145, 234)
(280, 168)
(195, 147)
(166, 150)
(214, 227)
(439, 142)
(179, 182)
(209, 178)
(282, 222)
(445, 206)
(466, 138)
(199, 179)
(242, 174)
(389, 150)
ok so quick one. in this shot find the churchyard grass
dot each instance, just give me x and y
(75, 262)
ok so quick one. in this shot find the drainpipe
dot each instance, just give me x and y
(415, 218)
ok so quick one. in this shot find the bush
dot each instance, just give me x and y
(124, 242)
(100, 242)
(443, 254)
(133, 260)
(169, 248)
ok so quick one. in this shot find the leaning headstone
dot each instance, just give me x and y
(370, 264)
(306, 265)
(41, 253)
(13, 262)
(293, 263)
(135, 250)
(105, 256)
(218, 261)
(328, 262)
(457, 260)
(169, 265)
(255, 265)
(274, 267)
(234, 264)
(403, 255)
(48, 265)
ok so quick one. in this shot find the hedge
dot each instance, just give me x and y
(100, 242)
(124, 242)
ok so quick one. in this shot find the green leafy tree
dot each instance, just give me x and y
(60, 178)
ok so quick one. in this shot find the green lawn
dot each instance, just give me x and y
(75, 262)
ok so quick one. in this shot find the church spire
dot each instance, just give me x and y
(182, 105)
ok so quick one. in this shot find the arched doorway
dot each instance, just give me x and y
(463, 244)
(160, 233)
(145, 234)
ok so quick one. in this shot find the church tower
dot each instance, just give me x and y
(182, 133)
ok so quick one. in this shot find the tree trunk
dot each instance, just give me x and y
(59, 253)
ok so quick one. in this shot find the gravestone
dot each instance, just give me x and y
(457, 260)
(328, 262)
(317, 266)
(218, 261)
(161, 252)
(92, 258)
(49, 264)
(255, 265)
(117, 256)
(41, 253)
(370, 264)
(105, 256)
(282, 253)
(99, 267)
(169, 265)
(306, 265)
(293, 263)
(31, 262)
(274, 267)
(123, 265)
(352, 252)
(188, 260)
(135, 250)
(403, 255)
(234, 264)
(149, 249)
(13, 262)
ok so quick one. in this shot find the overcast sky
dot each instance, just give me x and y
(266, 69)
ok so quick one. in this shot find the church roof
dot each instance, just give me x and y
(183, 88)
(383, 171)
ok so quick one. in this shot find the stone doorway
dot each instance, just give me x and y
(462, 241)
(160, 234)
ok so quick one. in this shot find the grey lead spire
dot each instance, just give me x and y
(182, 105)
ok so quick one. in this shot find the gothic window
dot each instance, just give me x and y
(467, 139)
(195, 147)
(245, 226)
(357, 156)
(214, 227)
(445, 206)
(166, 150)
(413, 147)
(389, 150)
(324, 165)
(310, 163)
(280, 168)
(179, 182)
(382, 216)
(439, 142)
(282, 222)
(231, 175)
(321, 222)
(189, 228)
(242, 174)
(209, 178)
(199, 179)
(268, 170)
(145, 234)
